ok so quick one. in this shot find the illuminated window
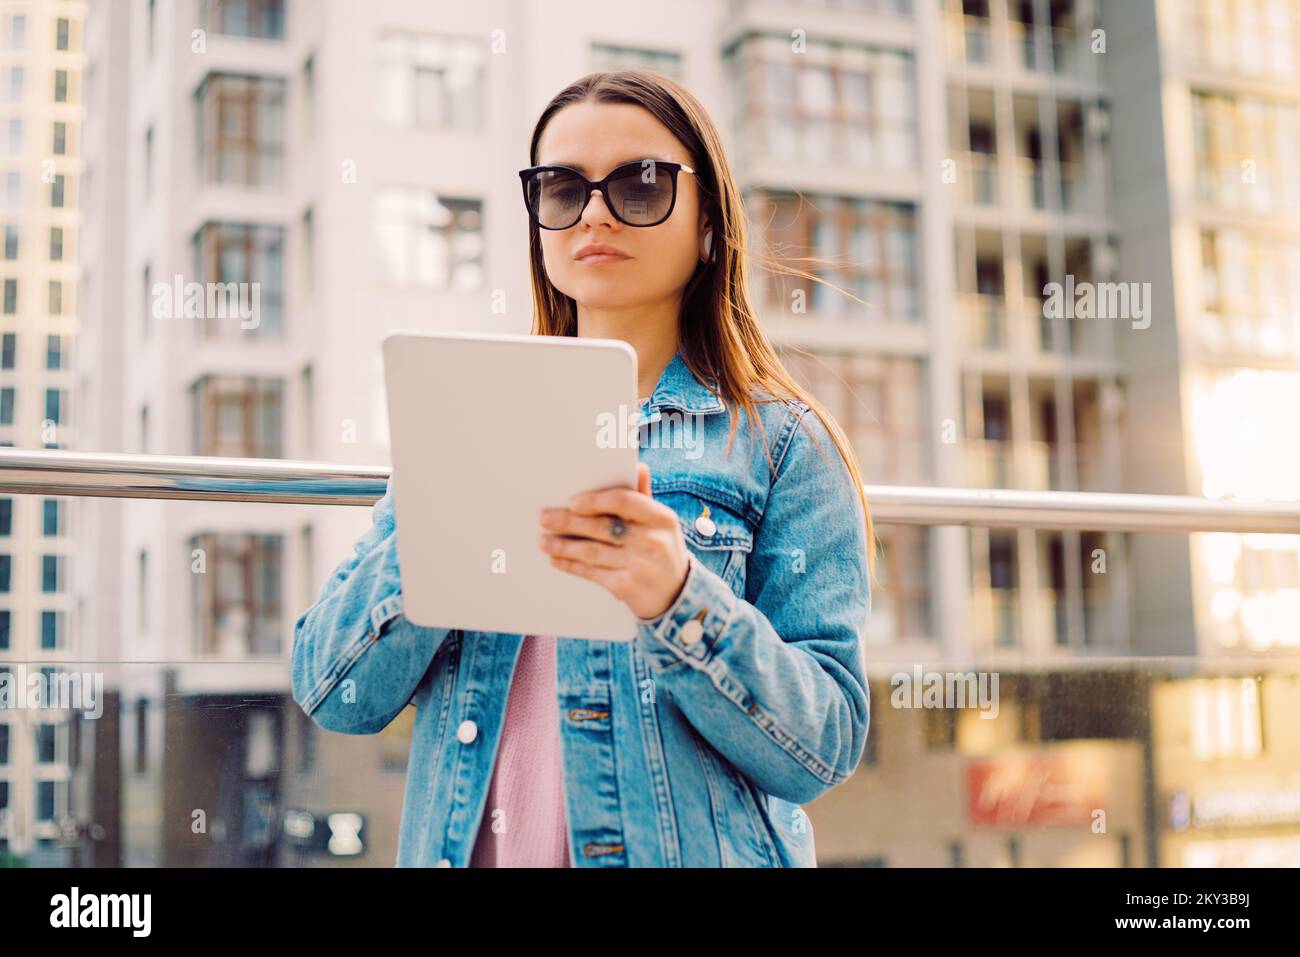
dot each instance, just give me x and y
(1225, 718)
(430, 82)
(241, 129)
(237, 599)
(830, 103)
(867, 248)
(430, 241)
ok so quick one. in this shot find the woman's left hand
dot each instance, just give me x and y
(645, 568)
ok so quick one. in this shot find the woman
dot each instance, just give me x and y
(743, 694)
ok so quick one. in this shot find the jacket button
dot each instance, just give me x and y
(444, 863)
(705, 525)
(467, 731)
(691, 632)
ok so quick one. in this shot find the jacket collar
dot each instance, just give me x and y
(679, 389)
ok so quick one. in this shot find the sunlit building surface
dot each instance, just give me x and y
(41, 113)
(1066, 245)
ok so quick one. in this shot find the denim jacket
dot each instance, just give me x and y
(693, 744)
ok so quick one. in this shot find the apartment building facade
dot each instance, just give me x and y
(947, 163)
(41, 115)
(1219, 234)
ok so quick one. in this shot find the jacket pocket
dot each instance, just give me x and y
(714, 530)
(744, 839)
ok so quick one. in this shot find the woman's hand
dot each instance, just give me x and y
(645, 568)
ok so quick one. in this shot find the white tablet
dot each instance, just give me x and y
(486, 430)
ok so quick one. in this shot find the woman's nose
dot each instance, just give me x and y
(597, 212)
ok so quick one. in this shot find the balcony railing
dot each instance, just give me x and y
(277, 481)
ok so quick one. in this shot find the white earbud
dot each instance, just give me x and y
(708, 245)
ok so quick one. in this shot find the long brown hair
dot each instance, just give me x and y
(720, 337)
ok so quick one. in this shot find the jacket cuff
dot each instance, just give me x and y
(693, 624)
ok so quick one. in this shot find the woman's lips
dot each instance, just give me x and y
(597, 259)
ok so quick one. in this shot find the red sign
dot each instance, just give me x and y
(1016, 792)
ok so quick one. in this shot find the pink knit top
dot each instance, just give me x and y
(524, 823)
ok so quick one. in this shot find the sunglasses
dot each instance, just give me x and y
(641, 193)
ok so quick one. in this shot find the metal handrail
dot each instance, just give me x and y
(281, 481)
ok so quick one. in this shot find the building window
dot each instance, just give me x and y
(46, 743)
(55, 402)
(429, 241)
(1228, 129)
(14, 136)
(879, 402)
(56, 297)
(60, 147)
(141, 736)
(4, 752)
(832, 104)
(11, 242)
(61, 32)
(142, 590)
(6, 516)
(10, 297)
(241, 129)
(60, 86)
(308, 270)
(8, 349)
(1225, 718)
(56, 244)
(13, 189)
(52, 630)
(309, 98)
(46, 800)
(6, 573)
(148, 161)
(54, 357)
(146, 310)
(900, 604)
(1251, 38)
(237, 417)
(608, 56)
(237, 600)
(15, 91)
(17, 32)
(241, 253)
(1248, 306)
(869, 249)
(257, 19)
(58, 188)
(430, 82)
(52, 510)
(7, 406)
(53, 574)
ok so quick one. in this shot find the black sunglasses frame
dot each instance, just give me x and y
(673, 168)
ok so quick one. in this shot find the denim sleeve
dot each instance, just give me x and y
(776, 681)
(357, 661)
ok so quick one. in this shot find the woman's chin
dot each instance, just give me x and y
(607, 294)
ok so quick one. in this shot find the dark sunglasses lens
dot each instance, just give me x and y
(643, 195)
(555, 198)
